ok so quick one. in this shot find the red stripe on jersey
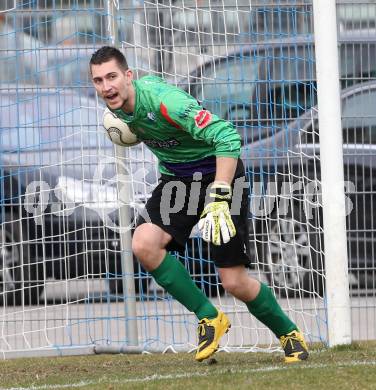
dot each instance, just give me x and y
(164, 112)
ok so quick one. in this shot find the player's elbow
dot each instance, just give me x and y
(229, 144)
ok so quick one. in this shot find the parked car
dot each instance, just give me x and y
(290, 241)
(268, 90)
(264, 86)
(288, 244)
(58, 192)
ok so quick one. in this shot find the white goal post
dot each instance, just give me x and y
(329, 108)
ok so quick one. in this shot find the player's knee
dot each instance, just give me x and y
(140, 246)
(146, 244)
(238, 283)
(230, 284)
(232, 279)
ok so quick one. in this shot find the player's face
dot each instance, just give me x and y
(112, 83)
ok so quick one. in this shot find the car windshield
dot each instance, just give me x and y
(222, 88)
(62, 60)
(268, 86)
(260, 89)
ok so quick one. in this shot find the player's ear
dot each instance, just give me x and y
(129, 74)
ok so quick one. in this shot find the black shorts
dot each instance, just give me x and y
(176, 205)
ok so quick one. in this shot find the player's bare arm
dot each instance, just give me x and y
(226, 167)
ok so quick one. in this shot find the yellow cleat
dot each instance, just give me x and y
(294, 346)
(209, 334)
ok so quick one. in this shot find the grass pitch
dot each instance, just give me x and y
(352, 367)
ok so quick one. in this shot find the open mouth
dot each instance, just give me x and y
(112, 97)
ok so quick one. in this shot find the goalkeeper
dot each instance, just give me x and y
(199, 152)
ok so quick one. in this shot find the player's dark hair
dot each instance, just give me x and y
(108, 53)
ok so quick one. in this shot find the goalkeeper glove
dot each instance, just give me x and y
(215, 220)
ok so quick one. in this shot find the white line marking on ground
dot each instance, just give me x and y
(156, 377)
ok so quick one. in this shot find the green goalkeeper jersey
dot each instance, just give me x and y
(185, 137)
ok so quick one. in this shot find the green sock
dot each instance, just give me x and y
(175, 279)
(267, 310)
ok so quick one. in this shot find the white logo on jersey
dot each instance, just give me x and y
(151, 116)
